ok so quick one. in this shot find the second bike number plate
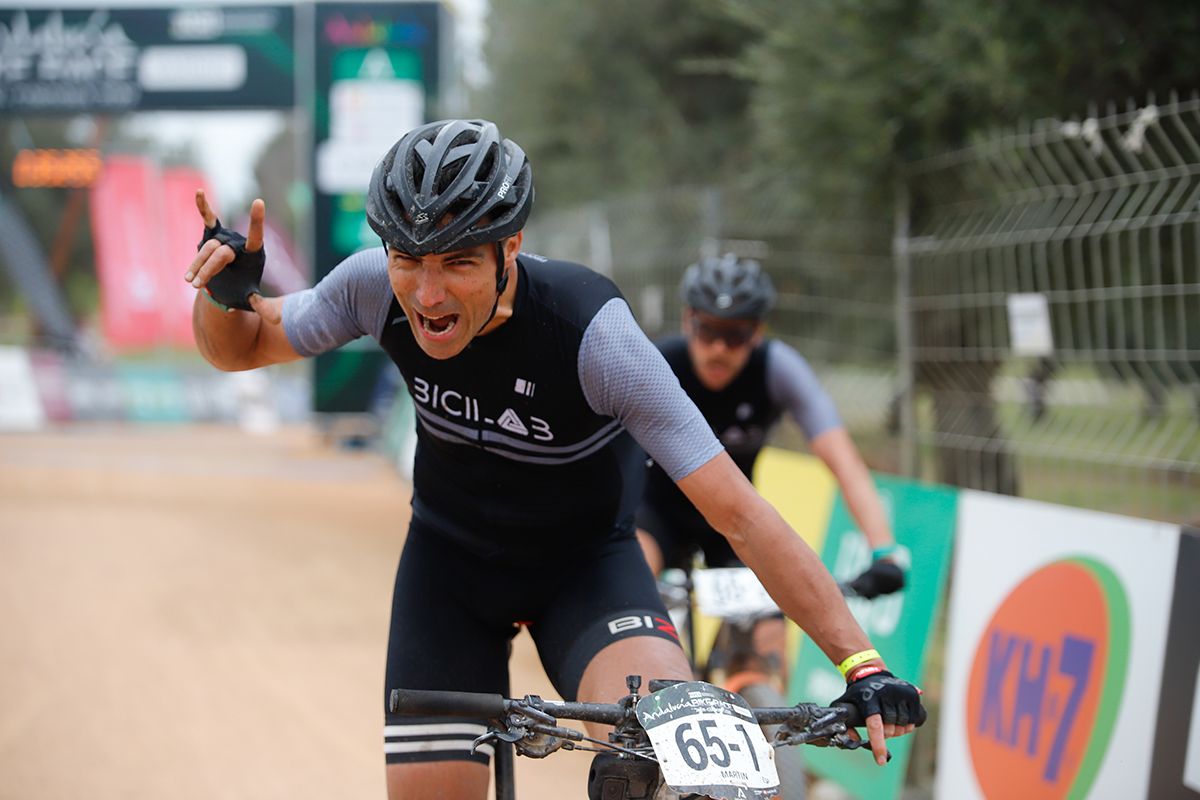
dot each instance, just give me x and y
(708, 742)
(734, 592)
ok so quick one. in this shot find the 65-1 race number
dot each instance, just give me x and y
(708, 742)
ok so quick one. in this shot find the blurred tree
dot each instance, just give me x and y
(847, 91)
(618, 96)
(832, 96)
(43, 210)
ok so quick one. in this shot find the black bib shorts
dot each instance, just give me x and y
(455, 613)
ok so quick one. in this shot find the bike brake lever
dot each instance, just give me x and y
(845, 742)
(531, 709)
(493, 735)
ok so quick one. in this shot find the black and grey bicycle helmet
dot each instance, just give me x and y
(458, 167)
(728, 287)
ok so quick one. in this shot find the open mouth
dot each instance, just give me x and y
(438, 327)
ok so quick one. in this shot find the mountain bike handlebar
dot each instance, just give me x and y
(414, 702)
(418, 702)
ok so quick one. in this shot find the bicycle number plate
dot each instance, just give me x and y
(708, 742)
(731, 592)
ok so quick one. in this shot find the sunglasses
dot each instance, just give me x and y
(734, 335)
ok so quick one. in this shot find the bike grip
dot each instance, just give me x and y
(420, 702)
(854, 719)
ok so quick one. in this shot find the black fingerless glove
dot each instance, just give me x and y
(233, 285)
(896, 700)
(882, 577)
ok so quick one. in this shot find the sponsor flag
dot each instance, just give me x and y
(127, 231)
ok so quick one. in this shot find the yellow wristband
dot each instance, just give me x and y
(858, 658)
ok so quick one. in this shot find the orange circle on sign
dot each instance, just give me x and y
(1036, 683)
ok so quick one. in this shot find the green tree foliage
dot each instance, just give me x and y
(831, 98)
(848, 90)
(836, 94)
(609, 97)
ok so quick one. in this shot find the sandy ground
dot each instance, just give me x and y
(189, 612)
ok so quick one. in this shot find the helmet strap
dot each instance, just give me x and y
(501, 273)
(501, 283)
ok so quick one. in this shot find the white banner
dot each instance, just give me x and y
(1058, 622)
(20, 405)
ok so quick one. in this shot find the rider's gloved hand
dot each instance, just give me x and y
(882, 577)
(896, 700)
(233, 285)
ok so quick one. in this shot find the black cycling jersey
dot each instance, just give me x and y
(741, 413)
(522, 445)
(511, 460)
(775, 378)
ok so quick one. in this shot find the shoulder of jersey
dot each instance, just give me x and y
(563, 284)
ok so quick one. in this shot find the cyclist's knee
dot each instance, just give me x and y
(454, 780)
(648, 656)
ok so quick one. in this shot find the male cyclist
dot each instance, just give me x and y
(743, 383)
(531, 383)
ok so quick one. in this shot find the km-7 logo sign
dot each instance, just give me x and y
(1046, 682)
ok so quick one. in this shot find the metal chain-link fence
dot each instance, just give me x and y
(1051, 322)
(1029, 322)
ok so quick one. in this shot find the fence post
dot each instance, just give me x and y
(710, 223)
(600, 240)
(904, 333)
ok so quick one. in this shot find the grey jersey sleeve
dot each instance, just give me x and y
(349, 302)
(791, 383)
(624, 376)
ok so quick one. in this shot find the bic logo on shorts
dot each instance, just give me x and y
(641, 622)
(1047, 674)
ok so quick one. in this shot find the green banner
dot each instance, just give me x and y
(900, 625)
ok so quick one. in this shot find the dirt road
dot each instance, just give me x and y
(188, 612)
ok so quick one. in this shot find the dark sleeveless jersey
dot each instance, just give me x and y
(740, 415)
(506, 438)
(522, 442)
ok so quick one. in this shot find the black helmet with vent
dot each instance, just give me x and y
(728, 287)
(461, 168)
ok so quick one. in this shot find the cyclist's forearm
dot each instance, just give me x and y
(791, 572)
(797, 580)
(226, 339)
(863, 502)
(837, 450)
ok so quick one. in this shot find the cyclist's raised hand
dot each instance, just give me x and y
(890, 706)
(882, 577)
(229, 266)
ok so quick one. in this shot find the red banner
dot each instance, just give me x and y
(127, 230)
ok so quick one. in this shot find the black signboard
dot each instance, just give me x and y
(1175, 768)
(133, 59)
